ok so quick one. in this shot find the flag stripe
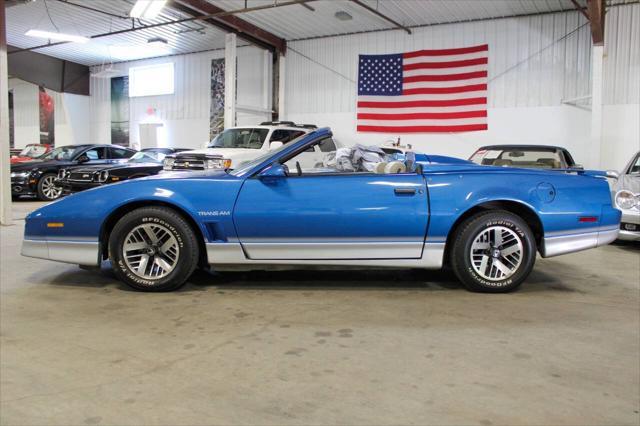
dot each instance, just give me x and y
(425, 122)
(458, 83)
(440, 59)
(425, 115)
(425, 97)
(449, 64)
(443, 71)
(445, 77)
(438, 90)
(413, 104)
(419, 110)
(445, 52)
(423, 129)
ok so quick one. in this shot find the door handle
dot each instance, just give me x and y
(404, 191)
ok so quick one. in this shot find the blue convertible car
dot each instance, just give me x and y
(486, 222)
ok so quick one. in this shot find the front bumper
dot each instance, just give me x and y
(22, 186)
(77, 251)
(71, 187)
(630, 226)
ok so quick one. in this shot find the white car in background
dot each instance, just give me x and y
(626, 194)
(239, 144)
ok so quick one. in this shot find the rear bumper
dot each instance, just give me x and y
(557, 244)
(77, 252)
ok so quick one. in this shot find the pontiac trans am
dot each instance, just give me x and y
(488, 223)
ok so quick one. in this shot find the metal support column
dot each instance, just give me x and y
(595, 145)
(230, 72)
(5, 170)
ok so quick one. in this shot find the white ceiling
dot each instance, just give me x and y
(290, 22)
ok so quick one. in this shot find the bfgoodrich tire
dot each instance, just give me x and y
(493, 252)
(153, 249)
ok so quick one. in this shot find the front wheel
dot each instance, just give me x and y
(493, 252)
(47, 188)
(153, 249)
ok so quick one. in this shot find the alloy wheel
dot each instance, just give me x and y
(151, 251)
(49, 188)
(496, 253)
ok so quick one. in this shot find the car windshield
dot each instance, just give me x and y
(63, 153)
(250, 138)
(530, 158)
(635, 166)
(33, 151)
(147, 157)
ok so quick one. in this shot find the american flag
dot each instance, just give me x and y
(424, 91)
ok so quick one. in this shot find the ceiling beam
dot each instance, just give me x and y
(595, 9)
(594, 12)
(234, 24)
(382, 15)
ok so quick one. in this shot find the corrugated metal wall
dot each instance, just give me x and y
(622, 55)
(534, 60)
(185, 114)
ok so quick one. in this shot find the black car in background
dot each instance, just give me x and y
(525, 156)
(144, 163)
(38, 177)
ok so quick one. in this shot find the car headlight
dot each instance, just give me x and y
(213, 164)
(167, 164)
(19, 174)
(627, 200)
(101, 176)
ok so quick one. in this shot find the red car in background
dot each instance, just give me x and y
(30, 152)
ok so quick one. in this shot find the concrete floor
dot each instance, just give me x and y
(79, 348)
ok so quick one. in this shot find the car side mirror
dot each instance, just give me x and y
(578, 167)
(276, 170)
(275, 145)
(612, 174)
(83, 159)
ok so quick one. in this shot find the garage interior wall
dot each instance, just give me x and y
(535, 63)
(185, 114)
(71, 117)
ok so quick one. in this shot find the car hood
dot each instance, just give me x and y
(222, 152)
(29, 165)
(628, 182)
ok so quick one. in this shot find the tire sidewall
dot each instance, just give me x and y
(177, 228)
(466, 271)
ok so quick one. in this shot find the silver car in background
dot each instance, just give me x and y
(626, 194)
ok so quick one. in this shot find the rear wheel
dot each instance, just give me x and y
(493, 252)
(153, 249)
(47, 188)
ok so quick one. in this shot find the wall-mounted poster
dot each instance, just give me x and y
(216, 116)
(12, 141)
(47, 117)
(120, 111)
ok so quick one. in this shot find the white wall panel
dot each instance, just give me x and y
(26, 113)
(622, 55)
(185, 114)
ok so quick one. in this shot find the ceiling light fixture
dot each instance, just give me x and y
(147, 9)
(341, 15)
(57, 36)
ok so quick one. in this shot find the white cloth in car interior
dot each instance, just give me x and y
(395, 167)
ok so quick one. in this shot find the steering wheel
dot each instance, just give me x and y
(299, 168)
